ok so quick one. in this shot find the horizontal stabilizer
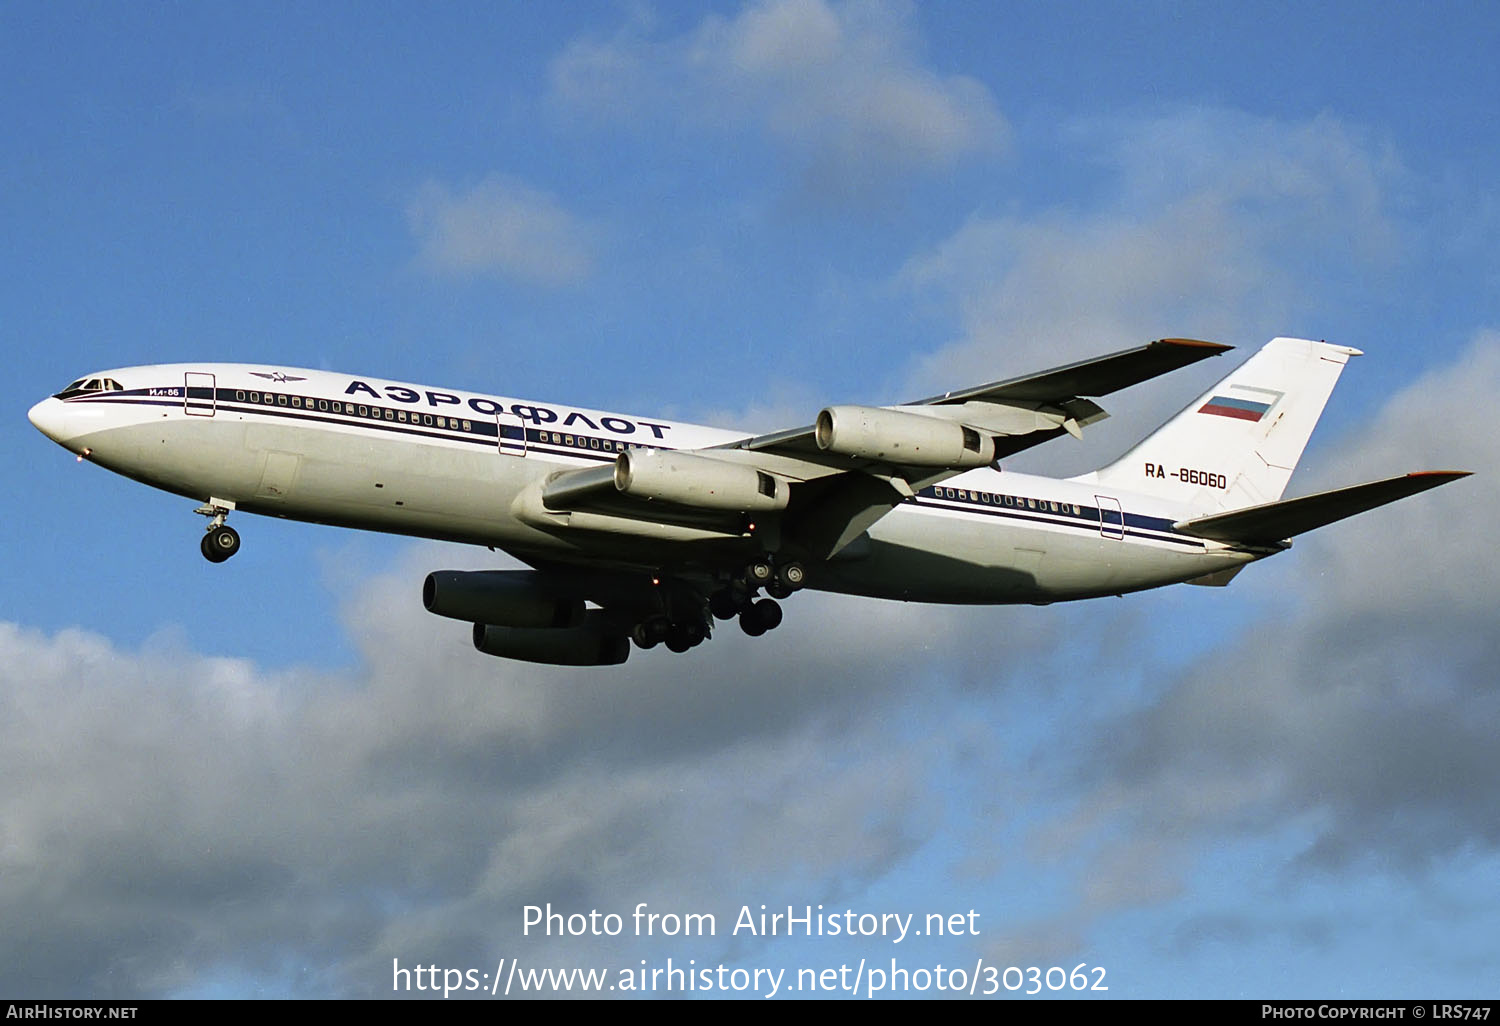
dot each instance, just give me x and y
(1275, 521)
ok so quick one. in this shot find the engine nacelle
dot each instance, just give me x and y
(699, 481)
(591, 643)
(510, 598)
(870, 432)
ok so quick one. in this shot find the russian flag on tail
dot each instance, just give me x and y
(1241, 403)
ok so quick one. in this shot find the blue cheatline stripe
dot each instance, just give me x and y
(1135, 525)
(482, 433)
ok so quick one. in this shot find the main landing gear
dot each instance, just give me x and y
(678, 635)
(738, 598)
(685, 623)
(220, 541)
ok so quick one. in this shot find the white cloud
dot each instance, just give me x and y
(1365, 710)
(185, 819)
(501, 227)
(1211, 227)
(1428, 543)
(840, 86)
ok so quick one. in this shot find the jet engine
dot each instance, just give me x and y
(870, 432)
(700, 481)
(590, 643)
(510, 598)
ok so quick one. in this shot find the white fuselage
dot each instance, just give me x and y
(368, 453)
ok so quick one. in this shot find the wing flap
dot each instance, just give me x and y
(1275, 521)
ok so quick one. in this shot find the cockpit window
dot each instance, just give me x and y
(86, 385)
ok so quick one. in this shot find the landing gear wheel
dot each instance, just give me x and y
(777, 589)
(791, 576)
(758, 573)
(678, 640)
(642, 636)
(220, 543)
(765, 615)
(725, 604)
(769, 613)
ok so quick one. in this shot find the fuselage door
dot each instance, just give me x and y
(510, 434)
(1111, 518)
(198, 394)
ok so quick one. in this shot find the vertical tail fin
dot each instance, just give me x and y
(1238, 443)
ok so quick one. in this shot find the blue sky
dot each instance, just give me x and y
(274, 775)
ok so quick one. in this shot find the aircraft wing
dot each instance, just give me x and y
(1067, 387)
(833, 496)
(831, 510)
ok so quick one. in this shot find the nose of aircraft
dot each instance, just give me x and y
(49, 417)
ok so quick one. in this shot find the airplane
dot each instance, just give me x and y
(645, 532)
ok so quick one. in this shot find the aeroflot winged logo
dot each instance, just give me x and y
(278, 376)
(1242, 403)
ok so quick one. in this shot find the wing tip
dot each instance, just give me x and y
(1191, 349)
(1199, 343)
(1446, 475)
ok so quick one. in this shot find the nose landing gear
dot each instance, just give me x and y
(220, 541)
